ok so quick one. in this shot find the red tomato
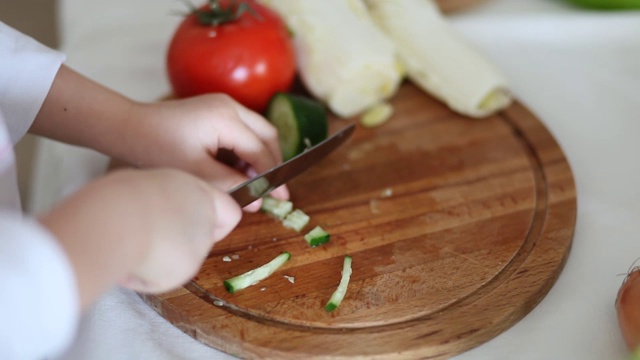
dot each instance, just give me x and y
(250, 58)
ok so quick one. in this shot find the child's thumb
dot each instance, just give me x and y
(227, 213)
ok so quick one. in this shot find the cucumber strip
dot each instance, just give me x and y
(317, 236)
(276, 207)
(254, 276)
(341, 291)
(296, 220)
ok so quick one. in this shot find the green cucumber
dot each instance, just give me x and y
(276, 207)
(341, 291)
(317, 236)
(301, 122)
(608, 4)
(254, 276)
(296, 220)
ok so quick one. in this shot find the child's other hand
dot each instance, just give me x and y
(185, 217)
(189, 134)
(150, 230)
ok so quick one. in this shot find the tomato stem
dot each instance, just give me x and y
(215, 14)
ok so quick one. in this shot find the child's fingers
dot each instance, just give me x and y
(253, 207)
(226, 178)
(135, 283)
(269, 135)
(178, 253)
(281, 192)
(247, 145)
(227, 214)
(221, 176)
(263, 129)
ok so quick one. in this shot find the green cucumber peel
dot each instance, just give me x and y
(341, 291)
(317, 236)
(256, 275)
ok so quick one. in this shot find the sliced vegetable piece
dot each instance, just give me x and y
(296, 220)
(254, 276)
(258, 187)
(341, 291)
(317, 236)
(377, 115)
(301, 122)
(276, 207)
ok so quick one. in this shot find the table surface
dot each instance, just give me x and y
(576, 69)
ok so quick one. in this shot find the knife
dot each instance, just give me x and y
(256, 187)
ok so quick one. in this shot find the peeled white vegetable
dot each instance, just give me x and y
(438, 59)
(342, 57)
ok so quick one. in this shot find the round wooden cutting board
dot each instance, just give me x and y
(457, 227)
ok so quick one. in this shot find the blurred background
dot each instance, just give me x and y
(41, 25)
(117, 43)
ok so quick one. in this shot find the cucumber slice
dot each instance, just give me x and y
(341, 291)
(254, 276)
(296, 220)
(276, 207)
(301, 122)
(377, 115)
(317, 236)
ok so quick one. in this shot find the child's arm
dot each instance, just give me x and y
(185, 134)
(149, 230)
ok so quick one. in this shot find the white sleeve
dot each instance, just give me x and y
(39, 306)
(27, 70)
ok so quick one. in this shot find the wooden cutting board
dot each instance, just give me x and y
(457, 227)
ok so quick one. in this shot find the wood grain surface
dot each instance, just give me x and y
(457, 227)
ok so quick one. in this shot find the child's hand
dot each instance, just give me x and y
(150, 230)
(184, 134)
(189, 134)
(184, 217)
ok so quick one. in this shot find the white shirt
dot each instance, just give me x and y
(39, 306)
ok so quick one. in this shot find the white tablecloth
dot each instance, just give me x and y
(578, 70)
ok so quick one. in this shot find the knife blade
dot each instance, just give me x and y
(256, 187)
